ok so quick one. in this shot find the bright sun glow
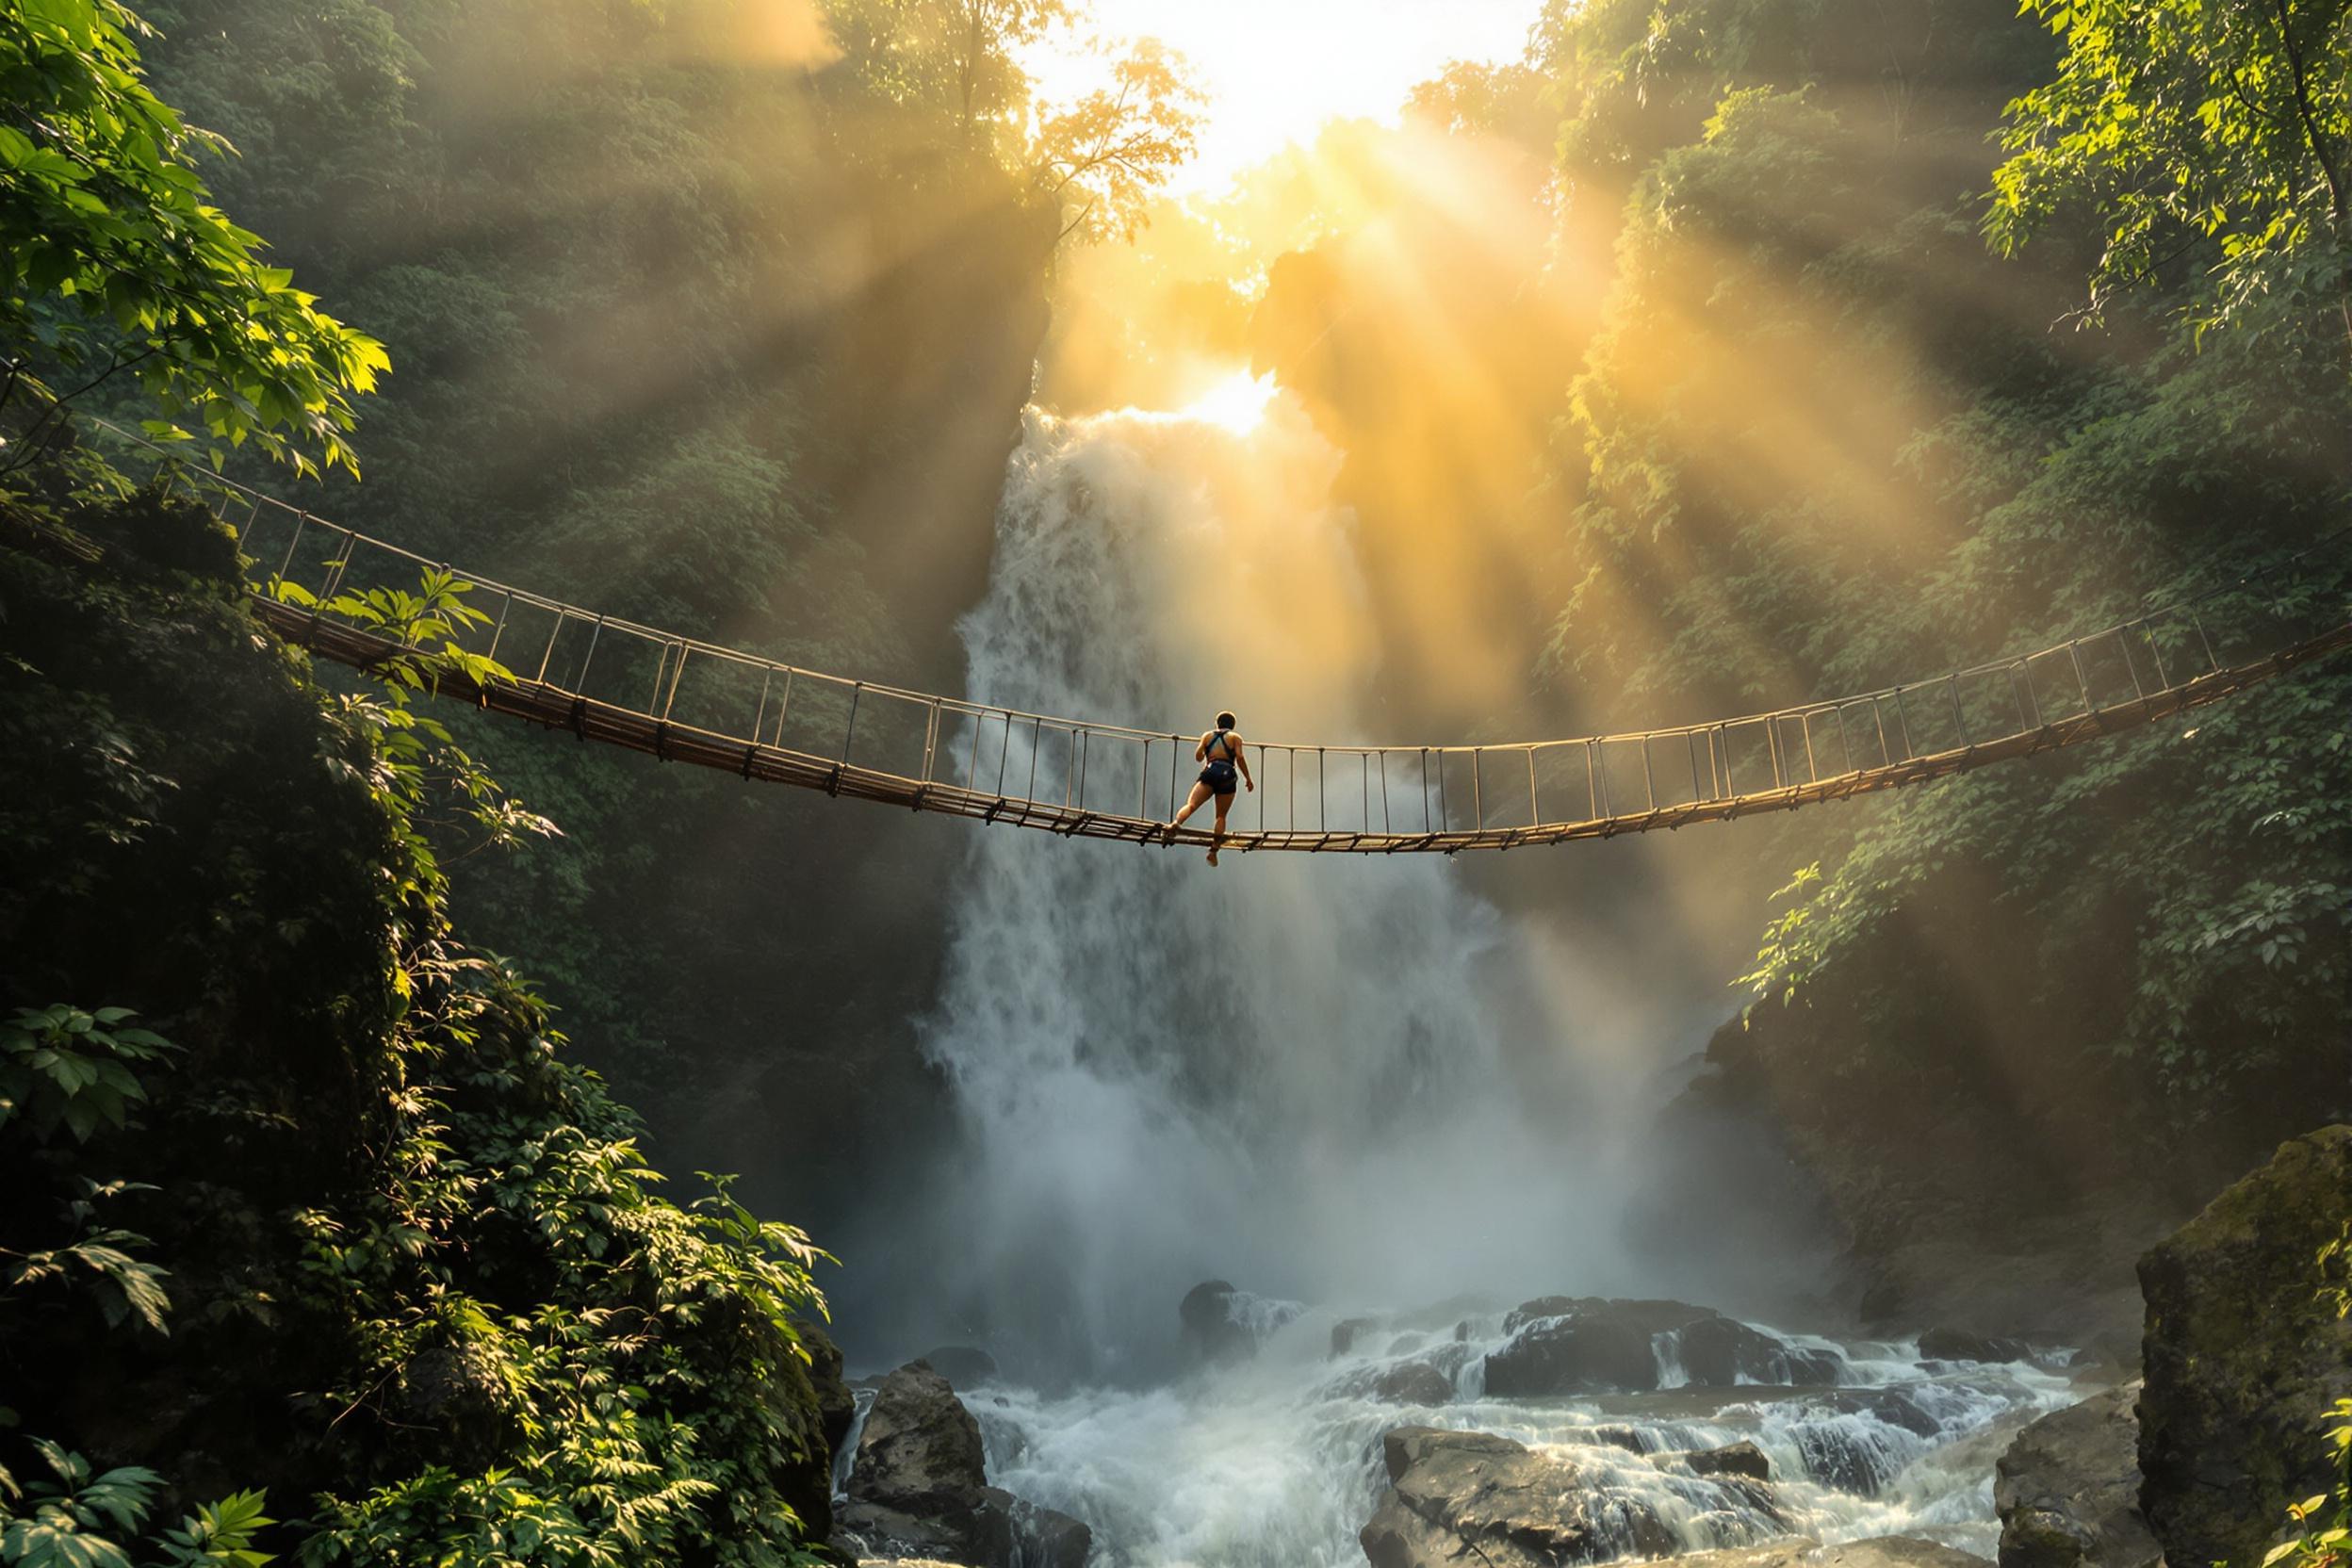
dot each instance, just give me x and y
(1276, 70)
(1237, 403)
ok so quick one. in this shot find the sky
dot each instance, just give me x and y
(1275, 70)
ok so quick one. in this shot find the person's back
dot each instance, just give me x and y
(1224, 763)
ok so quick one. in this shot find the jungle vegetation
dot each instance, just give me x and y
(720, 313)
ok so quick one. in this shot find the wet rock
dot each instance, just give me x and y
(837, 1406)
(1210, 1332)
(920, 1449)
(2067, 1490)
(1950, 1344)
(1889, 1405)
(1583, 1344)
(1414, 1383)
(1863, 1439)
(919, 1487)
(1718, 1352)
(1885, 1551)
(1344, 1332)
(1735, 1459)
(1458, 1496)
(1631, 1439)
(962, 1365)
(2243, 1361)
(1222, 1324)
(1580, 1344)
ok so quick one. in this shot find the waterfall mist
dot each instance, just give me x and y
(1332, 1079)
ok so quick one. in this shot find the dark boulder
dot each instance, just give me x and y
(1950, 1344)
(1414, 1383)
(920, 1451)
(1718, 1353)
(1222, 1324)
(1735, 1459)
(919, 1487)
(1345, 1331)
(2242, 1360)
(2068, 1490)
(836, 1405)
(1584, 1343)
(962, 1365)
(1459, 1497)
(1572, 1356)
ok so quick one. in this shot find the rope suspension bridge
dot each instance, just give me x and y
(685, 700)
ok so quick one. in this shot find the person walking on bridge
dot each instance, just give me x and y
(1220, 752)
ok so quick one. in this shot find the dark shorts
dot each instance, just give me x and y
(1220, 777)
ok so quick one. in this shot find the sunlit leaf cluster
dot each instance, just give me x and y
(113, 259)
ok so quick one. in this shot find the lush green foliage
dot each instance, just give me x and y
(2322, 1523)
(2213, 137)
(71, 1518)
(482, 1336)
(1824, 440)
(113, 256)
(719, 338)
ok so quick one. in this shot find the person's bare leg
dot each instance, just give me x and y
(1216, 839)
(1199, 793)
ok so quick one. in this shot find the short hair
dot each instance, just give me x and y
(1224, 721)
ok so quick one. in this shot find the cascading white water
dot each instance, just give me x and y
(1295, 1074)
(1324, 1080)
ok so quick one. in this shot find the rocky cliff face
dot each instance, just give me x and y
(2244, 1357)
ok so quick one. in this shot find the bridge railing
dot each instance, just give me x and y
(1025, 766)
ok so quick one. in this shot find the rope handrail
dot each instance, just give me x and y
(1084, 777)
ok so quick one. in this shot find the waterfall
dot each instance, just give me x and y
(1317, 1078)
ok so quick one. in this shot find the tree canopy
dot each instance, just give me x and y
(2213, 138)
(113, 258)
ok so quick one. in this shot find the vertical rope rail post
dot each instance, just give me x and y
(547, 655)
(579, 682)
(784, 705)
(506, 604)
(1535, 810)
(2156, 655)
(2021, 686)
(1649, 783)
(849, 731)
(1592, 782)
(660, 668)
(2211, 658)
(2130, 666)
(2074, 653)
(301, 522)
(759, 713)
(1478, 788)
(677, 672)
(930, 747)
